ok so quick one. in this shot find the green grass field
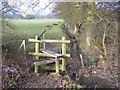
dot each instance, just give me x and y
(25, 29)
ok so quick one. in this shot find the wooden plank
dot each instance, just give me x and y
(48, 55)
(44, 62)
(48, 51)
(40, 54)
(49, 41)
(50, 67)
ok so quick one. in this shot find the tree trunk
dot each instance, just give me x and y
(90, 9)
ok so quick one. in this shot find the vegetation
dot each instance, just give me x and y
(92, 29)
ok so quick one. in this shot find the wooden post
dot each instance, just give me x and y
(57, 65)
(44, 43)
(36, 69)
(63, 53)
(37, 48)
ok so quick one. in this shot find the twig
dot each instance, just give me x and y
(47, 6)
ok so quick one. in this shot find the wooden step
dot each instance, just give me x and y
(50, 53)
(54, 54)
(44, 62)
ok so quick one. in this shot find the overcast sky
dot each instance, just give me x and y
(26, 8)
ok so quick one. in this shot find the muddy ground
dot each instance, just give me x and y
(19, 73)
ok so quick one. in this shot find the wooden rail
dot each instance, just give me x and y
(46, 53)
(49, 41)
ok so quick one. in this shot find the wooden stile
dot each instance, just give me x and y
(46, 53)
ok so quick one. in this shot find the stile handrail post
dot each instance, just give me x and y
(44, 46)
(37, 48)
(63, 53)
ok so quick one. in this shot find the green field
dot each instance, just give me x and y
(25, 29)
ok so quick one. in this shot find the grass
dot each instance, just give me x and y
(25, 29)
